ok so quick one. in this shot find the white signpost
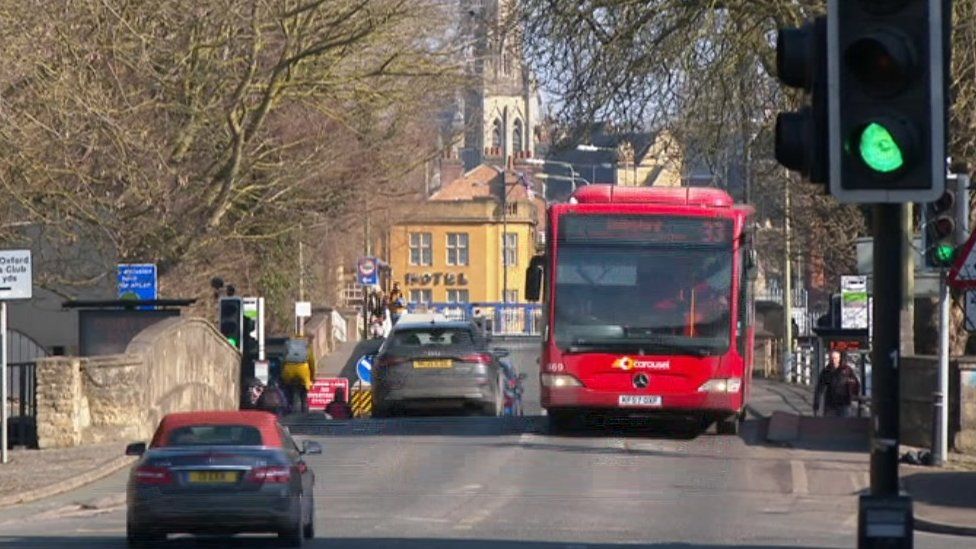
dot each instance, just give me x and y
(16, 282)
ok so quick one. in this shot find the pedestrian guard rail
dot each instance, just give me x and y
(501, 319)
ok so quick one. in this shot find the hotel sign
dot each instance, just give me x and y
(435, 279)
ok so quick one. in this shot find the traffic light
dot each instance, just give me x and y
(940, 229)
(887, 100)
(801, 136)
(232, 320)
(250, 346)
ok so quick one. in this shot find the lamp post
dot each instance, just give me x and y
(540, 162)
(586, 147)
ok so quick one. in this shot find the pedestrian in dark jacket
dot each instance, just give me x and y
(339, 408)
(273, 400)
(839, 386)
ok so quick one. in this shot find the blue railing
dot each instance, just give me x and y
(509, 319)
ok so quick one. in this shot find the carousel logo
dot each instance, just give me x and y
(627, 363)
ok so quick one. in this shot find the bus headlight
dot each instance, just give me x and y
(560, 380)
(730, 385)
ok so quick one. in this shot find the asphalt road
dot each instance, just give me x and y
(473, 482)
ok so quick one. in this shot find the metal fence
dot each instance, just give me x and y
(505, 319)
(22, 399)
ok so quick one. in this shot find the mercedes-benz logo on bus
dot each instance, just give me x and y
(641, 381)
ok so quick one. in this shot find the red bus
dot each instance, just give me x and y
(648, 305)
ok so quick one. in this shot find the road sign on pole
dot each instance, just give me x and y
(368, 269)
(963, 272)
(16, 275)
(137, 281)
(364, 370)
(16, 283)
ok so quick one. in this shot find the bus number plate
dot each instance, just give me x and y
(639, 400)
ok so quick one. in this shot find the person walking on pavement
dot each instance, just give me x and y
(339, 408)
(396, 303)
(839, 386)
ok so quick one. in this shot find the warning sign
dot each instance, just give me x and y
(323, 392)
(963, 272)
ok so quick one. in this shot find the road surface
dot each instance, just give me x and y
(472, 482)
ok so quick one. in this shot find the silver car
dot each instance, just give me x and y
(438, 365)
(220, 473)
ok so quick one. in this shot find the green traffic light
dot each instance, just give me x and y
(879, 150)
(944, 253)
(232, 340)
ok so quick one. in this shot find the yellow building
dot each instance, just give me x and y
(463, 246)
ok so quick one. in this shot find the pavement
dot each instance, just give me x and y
(944, 498)
(30, 475)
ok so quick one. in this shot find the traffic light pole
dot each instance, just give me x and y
(940, 415)
(884, 515)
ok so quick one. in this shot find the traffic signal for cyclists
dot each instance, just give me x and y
(887, 100)
(232, 320)
(801, 136)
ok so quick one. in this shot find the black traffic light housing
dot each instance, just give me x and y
(250, 339)
(801, 136)
(231, 315)
(887, 100)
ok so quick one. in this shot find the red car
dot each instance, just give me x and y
(220, 473)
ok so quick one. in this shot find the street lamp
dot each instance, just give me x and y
(586, 147)
(545, 177)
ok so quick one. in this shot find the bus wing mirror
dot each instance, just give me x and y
(533, 278)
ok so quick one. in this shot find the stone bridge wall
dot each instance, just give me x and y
(178, 364)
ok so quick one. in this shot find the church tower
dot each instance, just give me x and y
(500, 109)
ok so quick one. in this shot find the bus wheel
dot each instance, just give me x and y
(729, 425)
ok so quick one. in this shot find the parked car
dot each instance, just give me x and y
(220, 473)
(438, 364)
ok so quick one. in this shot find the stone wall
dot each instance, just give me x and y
(178, 364)
(918, 378)
(188, 365)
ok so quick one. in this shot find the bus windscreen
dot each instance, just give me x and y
(638, 281)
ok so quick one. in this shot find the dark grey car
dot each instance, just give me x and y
(437, 365)
(221, 479)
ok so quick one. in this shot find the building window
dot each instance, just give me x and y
(511, 208)
(458, 296)
(422, 297)
(510, 249)
(517, 145)
(496, 133)
(511, 296)
(457, 248)
(420, 249)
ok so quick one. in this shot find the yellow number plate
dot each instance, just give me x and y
(432, 363)
(210, 477)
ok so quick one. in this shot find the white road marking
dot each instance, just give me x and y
(798, 471)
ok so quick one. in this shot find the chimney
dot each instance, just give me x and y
(452, 169)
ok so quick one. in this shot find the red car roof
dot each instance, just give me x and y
(264, 422)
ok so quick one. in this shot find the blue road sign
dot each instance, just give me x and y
(364, 369)
(137, 281)
(369, 271)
